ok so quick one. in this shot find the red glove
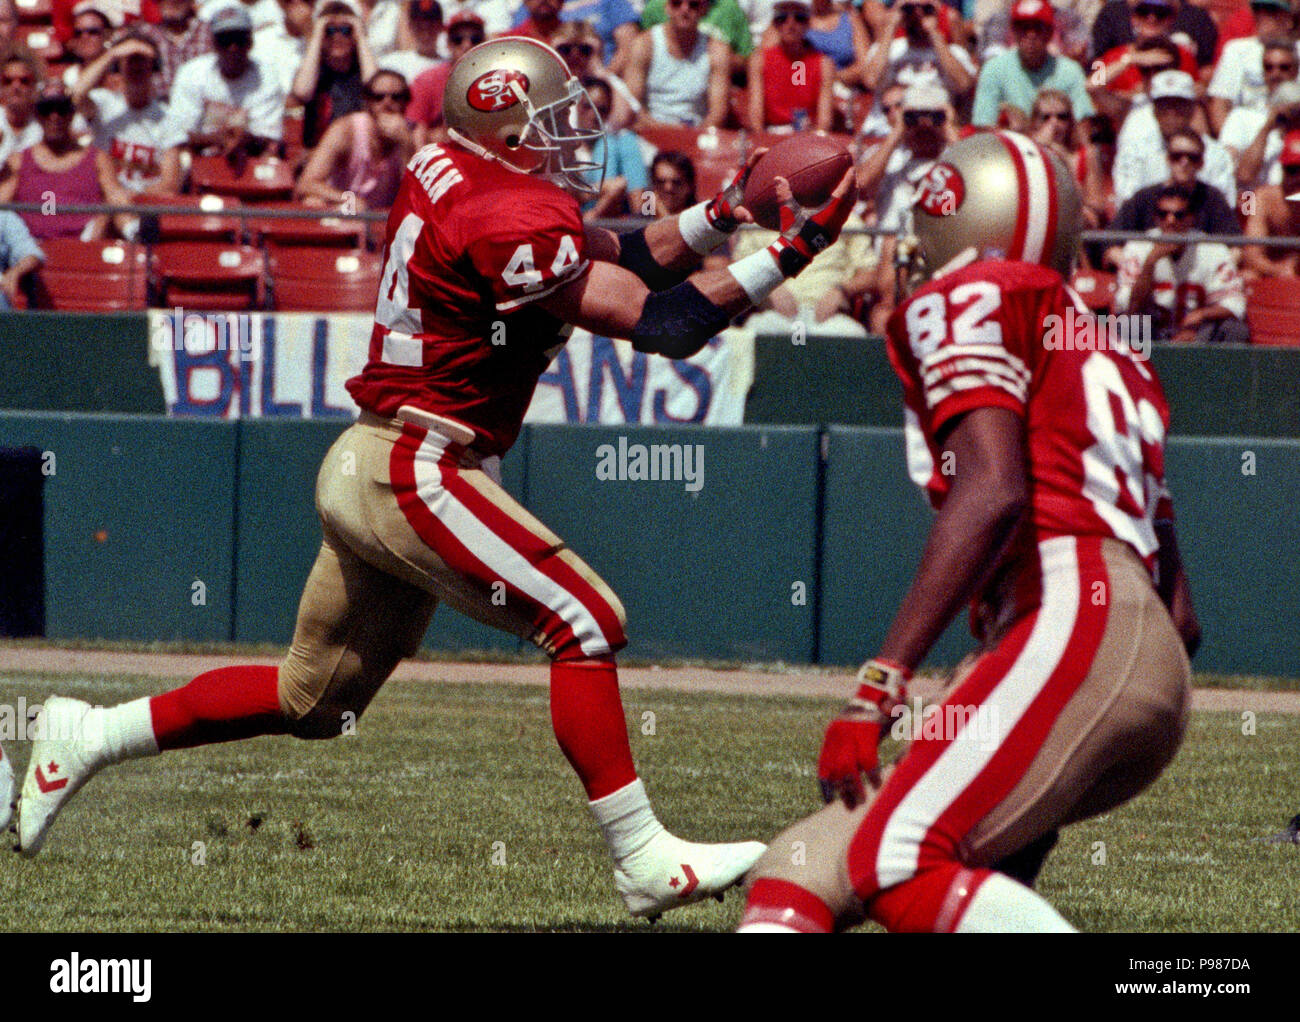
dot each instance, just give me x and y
(849, 748)
(721, 210)
(804, 235)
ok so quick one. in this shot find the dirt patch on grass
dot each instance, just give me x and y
(793, 681)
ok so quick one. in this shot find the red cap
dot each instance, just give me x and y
(464, 17)
(1291, 149)
(1034, 10)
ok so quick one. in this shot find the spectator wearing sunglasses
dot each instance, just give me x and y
(465, 30)
(93, 21)
(580, 46)
(1052, 125)
(1120, 23)
(891, 170)
(360, 160)
(790, 81)
(1277, 215)
(1192, 292)
(920, 54)
(227, 101)
(1141, 156)
(59, 164)
(1240, 78)
(21, 75)
(678, 74)
(672, 182)
(1009, 82)
(330, 80)
(1253, 138)
(616, 24)
(419, 37)
(1209, 212)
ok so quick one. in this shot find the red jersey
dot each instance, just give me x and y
(1012, 335)
(470, 246)
(1129, 80)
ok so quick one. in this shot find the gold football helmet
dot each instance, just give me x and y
(999, 195)
(514, 101)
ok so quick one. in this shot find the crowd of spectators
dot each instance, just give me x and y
(1173, 116)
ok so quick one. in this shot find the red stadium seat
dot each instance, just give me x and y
(322, 230)
(91, 276)
(1097, 289)
(41, 41)
(214, 227)
(313, 280)
(1273, 310)
(261, 179)
(209, 275)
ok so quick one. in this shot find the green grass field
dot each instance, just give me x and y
(398, 828)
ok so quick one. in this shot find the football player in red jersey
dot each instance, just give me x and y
(1044, 456)
(487, 266)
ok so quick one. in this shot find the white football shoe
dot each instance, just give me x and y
(6, 790)
(63, 759)
(669, 873)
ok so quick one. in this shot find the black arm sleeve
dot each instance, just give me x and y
(678, 322)
(634, 255)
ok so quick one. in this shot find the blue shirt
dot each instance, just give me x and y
(1003, 79)
(16, 241)
(604, 16)
(625, 160)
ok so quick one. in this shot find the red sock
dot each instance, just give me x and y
(931, 902)
(785, 904)
(587, 716)
(219, 706)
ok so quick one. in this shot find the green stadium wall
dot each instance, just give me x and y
(798, 546)
(100, 363)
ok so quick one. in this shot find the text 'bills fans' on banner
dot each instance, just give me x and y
(295, 365)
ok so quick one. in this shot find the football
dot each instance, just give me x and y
(813, 164)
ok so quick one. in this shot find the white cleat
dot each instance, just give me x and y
(64, 758)
(6, 790)
(669, 873)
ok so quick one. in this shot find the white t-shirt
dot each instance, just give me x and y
(1140, 159)
(15, 141)
(1239, 131)
(897, 188)
(1201, 276)
(381, 27)
(1239, 75)
(201, 97)
(276, 48)
(133, 138)
(407, 63)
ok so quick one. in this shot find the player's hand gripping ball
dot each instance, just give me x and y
(813, 164)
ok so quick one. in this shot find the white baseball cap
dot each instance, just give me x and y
(1173, 85)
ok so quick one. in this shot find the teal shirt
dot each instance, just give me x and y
(1003, 79)
(725, 17)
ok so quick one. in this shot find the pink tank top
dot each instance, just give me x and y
(375, 181)
(74, 187)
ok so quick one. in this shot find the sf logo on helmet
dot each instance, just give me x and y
(941, 190)
(492, 92)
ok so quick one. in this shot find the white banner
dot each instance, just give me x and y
(295, 365)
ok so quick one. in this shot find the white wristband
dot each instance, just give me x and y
(758, 275)
(700, 236)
